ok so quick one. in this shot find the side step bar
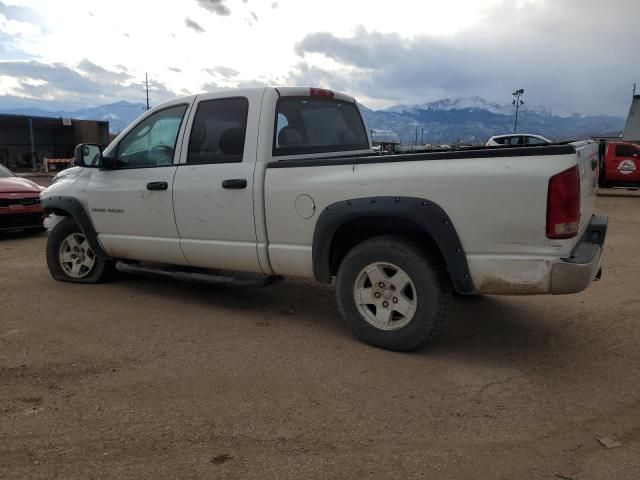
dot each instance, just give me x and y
(212, 279)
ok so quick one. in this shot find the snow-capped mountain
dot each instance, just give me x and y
(444, 105)
(474, 103)
(474, 120)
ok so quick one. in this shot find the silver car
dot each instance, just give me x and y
(517, 139)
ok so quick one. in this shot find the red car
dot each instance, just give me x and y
(20, 207)
(620, 165)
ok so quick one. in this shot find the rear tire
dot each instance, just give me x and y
(392, 293)
(69, 257)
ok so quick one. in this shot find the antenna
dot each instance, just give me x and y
(146, 86)
(634, 88)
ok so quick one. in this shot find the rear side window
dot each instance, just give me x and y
(512, 140)
(625, 151)
(536, 141)
(316, 125)
(218, 131)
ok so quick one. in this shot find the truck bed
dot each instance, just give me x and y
(440, 154)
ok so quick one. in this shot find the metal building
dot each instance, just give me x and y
(632, 129)
(25, 141)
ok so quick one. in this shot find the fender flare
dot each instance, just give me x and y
(74, 209)
(427, 215)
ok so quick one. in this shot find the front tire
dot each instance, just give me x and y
(392, 293)
(70, 258)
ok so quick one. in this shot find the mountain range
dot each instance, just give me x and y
(474, 120)
(119, 114)
(468, 119)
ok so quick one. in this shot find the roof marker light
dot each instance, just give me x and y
(321, 93)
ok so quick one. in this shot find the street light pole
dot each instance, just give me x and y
(517, 102)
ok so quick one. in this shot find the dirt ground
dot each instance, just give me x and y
(144, 378)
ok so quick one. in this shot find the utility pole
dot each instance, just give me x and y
(32, 144)
(634, 89)
(416, 140)
(517, 102)
(146, 85)
(421, 135)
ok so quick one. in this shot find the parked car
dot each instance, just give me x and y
(20, 207)
(620, 165)
(283, 182)
(517, 139)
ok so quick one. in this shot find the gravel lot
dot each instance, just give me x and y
(145, 378)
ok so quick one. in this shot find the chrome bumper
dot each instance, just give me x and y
(574, 274)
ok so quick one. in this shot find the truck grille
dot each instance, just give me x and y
(25, 202)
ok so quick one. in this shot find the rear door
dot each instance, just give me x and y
(213, 189)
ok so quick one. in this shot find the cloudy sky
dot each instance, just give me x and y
(569, 55)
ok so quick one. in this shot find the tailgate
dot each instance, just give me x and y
(587, 153)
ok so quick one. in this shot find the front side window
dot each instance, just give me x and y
(218, 131)
(152, 142)
(315, 125)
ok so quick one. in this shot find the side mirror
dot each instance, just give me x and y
(88, 155)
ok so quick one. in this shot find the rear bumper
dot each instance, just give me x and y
(575, 273)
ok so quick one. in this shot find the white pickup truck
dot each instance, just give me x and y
(283, 182)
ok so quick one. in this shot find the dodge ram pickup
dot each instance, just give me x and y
(282, 182)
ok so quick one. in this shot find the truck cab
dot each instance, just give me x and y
(621, 165)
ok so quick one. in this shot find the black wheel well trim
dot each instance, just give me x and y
(425, 214)
(74, 209)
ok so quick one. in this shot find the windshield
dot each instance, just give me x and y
(4, 172)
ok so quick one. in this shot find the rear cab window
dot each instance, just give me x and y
(625, 151)
(317, 125)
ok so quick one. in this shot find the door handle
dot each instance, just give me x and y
(234, 183)
(157, 186)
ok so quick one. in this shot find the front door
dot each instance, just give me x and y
(131, 206)
(213, 188)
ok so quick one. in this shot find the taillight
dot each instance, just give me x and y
(563, 204)
(320, 92)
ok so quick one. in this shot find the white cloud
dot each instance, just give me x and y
(16, 27)
(463, 36)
